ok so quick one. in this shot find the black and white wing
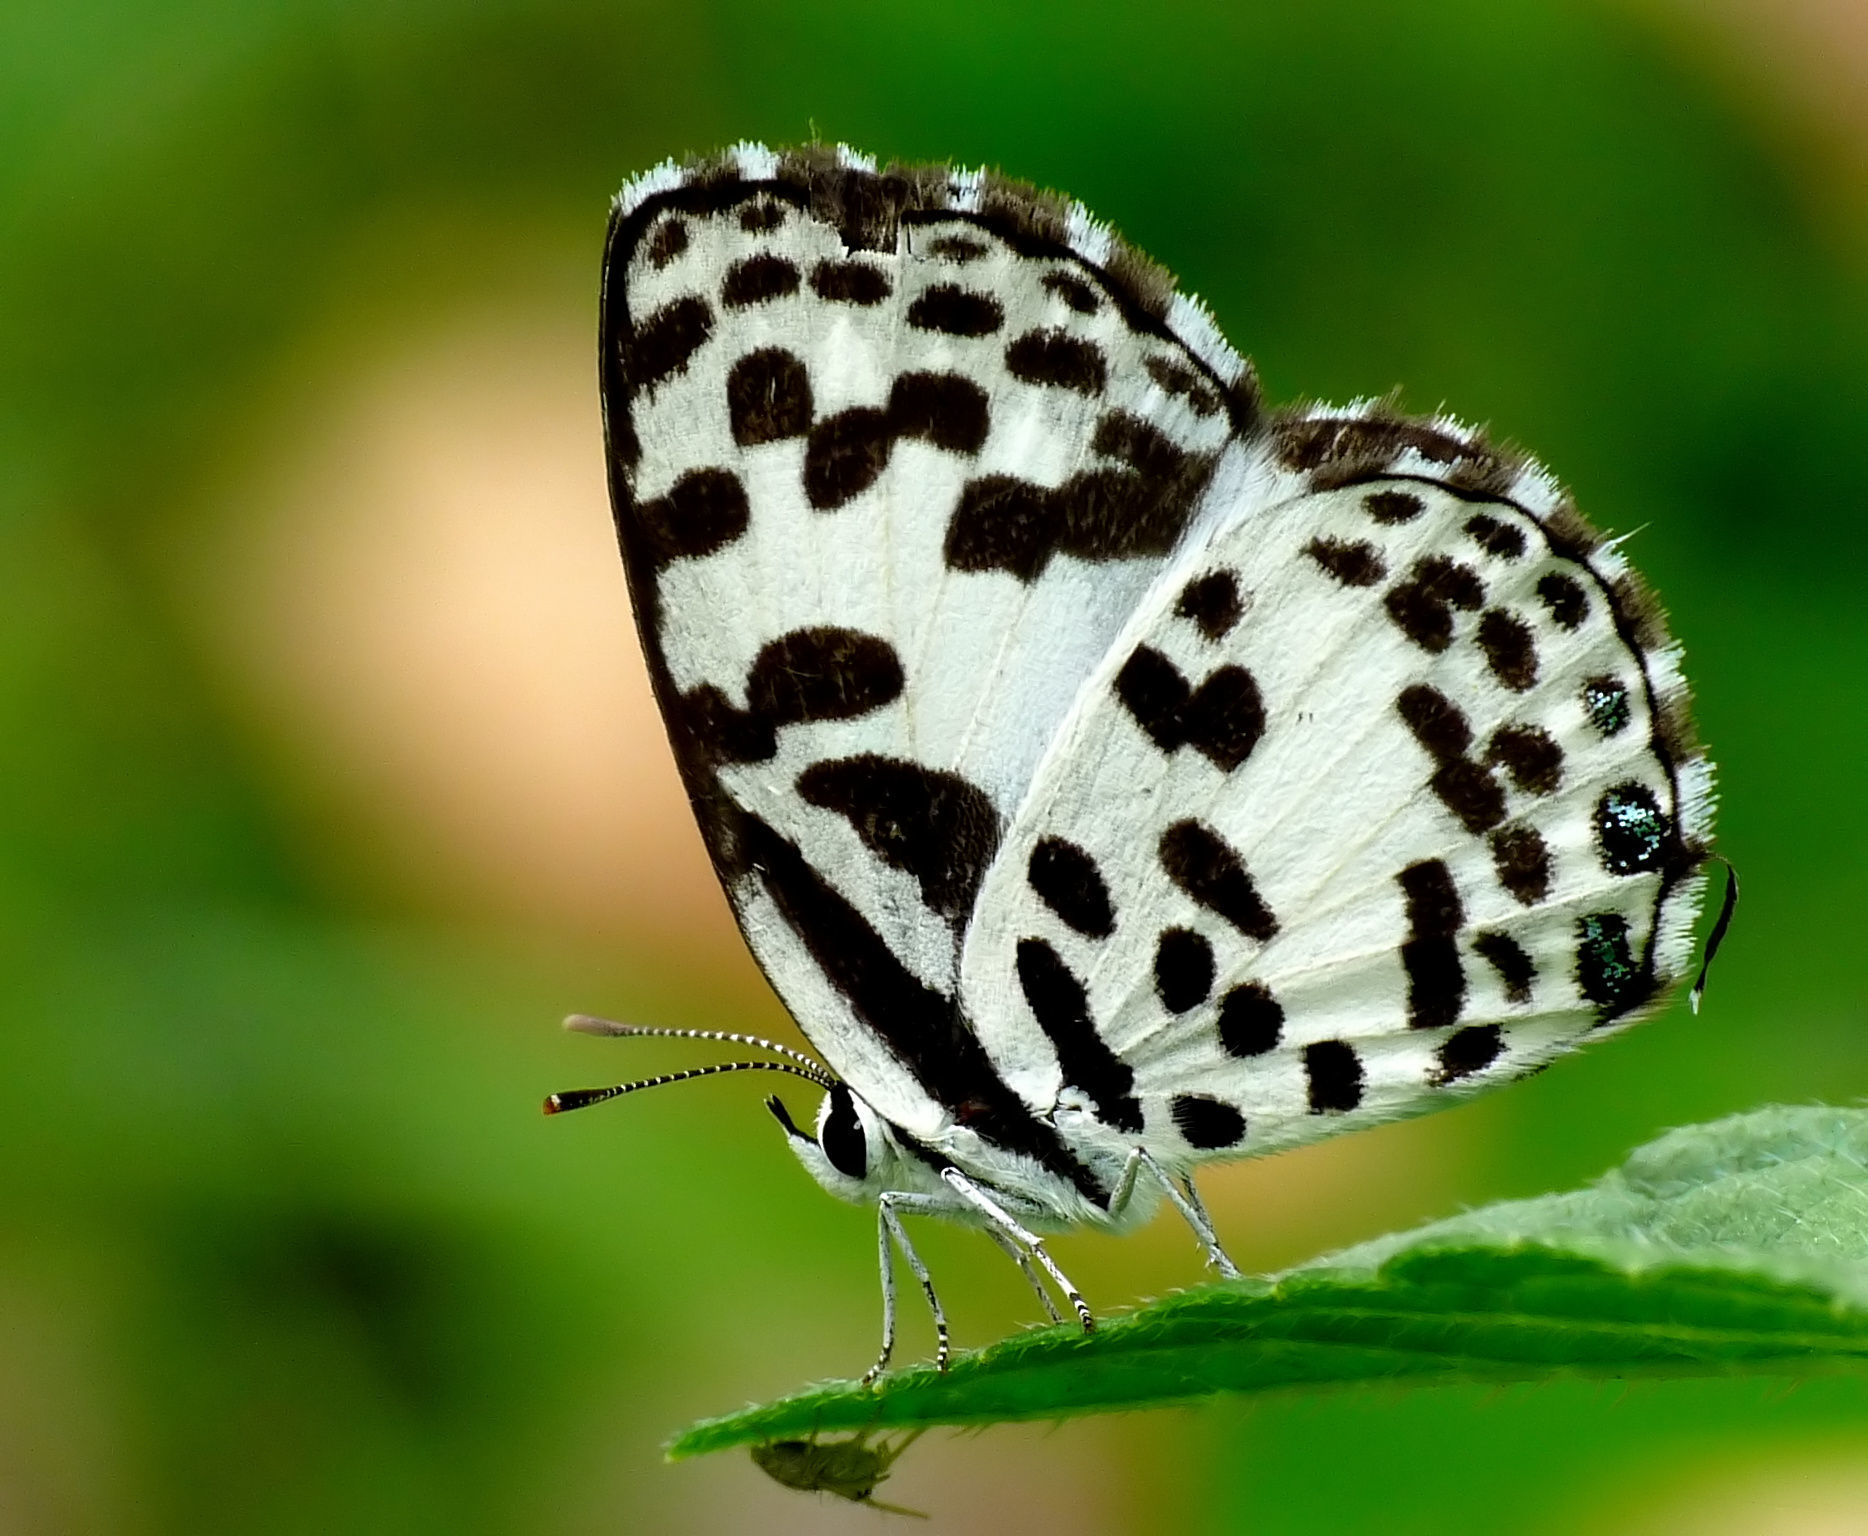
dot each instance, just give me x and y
(1090, 762)
(894, 458)
(1385, 794)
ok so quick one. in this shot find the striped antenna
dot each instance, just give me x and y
(585, 1024)
(582, 1098)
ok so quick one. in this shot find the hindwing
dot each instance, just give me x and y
(1385, 794)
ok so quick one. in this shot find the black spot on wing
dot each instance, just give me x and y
(1565, 598)
(1212, 603)
(1059, 360)
(945, 409)
(1494, 536)
(1062, 1009)
(757, 280)
(823, 673)
(1522, 862)
(1437, 722)
(1632, 831)
(1607, 974)
(663, 343)
(1510, 649)
(1469, 1050)
(845, 455)
(847, 452)
(768, 397)
(1183, 383)
(1605, 699)
(960, 249)
(1516, 970)
(668, 242)
(1222, 719)
(921, 1028)
(1422, 605)
(1333, 1072)
(761, 218)
(808, 675)
(954, 311)
(1430, 954)
(1206, 869)
(1352, 562)
(1003, 523)
(1469, 791)
(1075, 293)
(704, 511)
(850, 282)
(1067, 881)
(1530, 755)
(1206, 1123)
(1251, 1020)
(1183, 969)
(1140, 507)
(1464, 787)
(1391, 507)
(926, 822)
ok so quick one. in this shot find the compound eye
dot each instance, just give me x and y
(842, 1136)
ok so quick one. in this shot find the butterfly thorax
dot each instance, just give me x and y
(858, 1155)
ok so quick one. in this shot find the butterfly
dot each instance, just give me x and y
(1111, 774)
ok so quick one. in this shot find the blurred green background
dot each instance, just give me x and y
(329, 781)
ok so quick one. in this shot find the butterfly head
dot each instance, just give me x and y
(853, 1155)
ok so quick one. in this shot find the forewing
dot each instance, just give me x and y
(893, 457)
(1387, 794)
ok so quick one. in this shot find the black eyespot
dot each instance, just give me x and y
(842, 1136)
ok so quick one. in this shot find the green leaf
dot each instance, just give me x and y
(1740, 1246)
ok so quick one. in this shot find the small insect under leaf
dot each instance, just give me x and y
(848, 1468)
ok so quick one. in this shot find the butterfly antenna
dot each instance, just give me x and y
(583, 1098)
(585, 1024)
(1717, 936)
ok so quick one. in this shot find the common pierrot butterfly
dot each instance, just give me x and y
(1112, 775)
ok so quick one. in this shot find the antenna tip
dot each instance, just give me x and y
(579, 1098)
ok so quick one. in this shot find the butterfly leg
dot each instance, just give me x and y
(1188, 1204)
(1023, 1261)
(1194, 1209)
(891, 1235)
(886, 1258)
(1033, 1245)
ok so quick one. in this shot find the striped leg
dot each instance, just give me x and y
(1023, 1261)
(1188, 1204)
(890, 1234)
(1003, 1220)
